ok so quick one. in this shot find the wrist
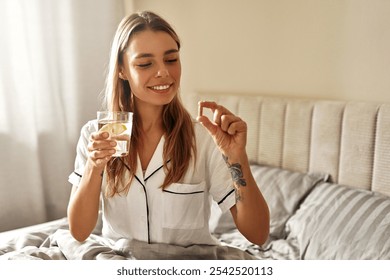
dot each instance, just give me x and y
(237, 156)
(94, 170)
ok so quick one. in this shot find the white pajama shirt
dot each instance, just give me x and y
(177, 215)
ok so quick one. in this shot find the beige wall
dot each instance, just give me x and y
(307, 48)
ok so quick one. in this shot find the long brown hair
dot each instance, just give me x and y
(179, 145)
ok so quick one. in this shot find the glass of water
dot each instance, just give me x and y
(119, 125)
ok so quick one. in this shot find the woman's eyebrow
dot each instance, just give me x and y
(146, 55)
(171, 51)
(143, 55)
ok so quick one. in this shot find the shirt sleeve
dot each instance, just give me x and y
(82, 152)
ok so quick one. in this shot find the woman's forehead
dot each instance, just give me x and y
(151, 43)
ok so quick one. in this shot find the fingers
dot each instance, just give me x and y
(222, 118)
(218, 110)
(101, 148)
(212, 128)
(232, 124)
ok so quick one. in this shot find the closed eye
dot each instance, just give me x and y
(144, 65)
(172, 60)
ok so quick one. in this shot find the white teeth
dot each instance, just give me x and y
(163, 87)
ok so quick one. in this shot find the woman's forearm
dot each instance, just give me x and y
(251, 213)
(83, 208)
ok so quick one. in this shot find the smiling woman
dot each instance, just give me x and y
(161, 192)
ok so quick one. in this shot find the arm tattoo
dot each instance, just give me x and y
(236, 172)
(237, 176)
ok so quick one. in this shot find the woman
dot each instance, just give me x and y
(162, 191)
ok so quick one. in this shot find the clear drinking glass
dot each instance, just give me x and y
(119, 126)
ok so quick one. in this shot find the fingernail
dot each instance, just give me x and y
(113, 143)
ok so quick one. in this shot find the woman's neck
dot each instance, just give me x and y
(150, 118)
(151, 131)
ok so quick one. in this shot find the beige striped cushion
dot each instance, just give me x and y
(282, 189)
(338, 222)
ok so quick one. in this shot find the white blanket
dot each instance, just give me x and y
(56, 243)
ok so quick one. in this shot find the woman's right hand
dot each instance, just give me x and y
(100, 149)
(83, 205)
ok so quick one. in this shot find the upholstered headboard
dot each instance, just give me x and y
(348, 140)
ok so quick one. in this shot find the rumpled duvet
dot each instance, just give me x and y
(56, 243)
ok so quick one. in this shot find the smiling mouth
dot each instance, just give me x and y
(160, 87)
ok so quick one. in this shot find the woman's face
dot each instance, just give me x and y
(152, 67)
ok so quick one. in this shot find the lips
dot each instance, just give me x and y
(161, 87)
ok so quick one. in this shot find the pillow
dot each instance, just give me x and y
(338, 222)
(282, 189)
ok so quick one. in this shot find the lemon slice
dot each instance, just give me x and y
(113, 128)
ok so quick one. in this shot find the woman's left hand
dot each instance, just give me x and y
(250, 213)
(228, 130)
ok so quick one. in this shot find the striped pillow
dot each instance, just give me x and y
(282, 189)
(338, 222)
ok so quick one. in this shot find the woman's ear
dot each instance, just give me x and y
(122, 76)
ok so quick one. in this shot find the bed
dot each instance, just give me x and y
(322, 165)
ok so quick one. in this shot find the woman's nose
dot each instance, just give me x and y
(162, 72)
